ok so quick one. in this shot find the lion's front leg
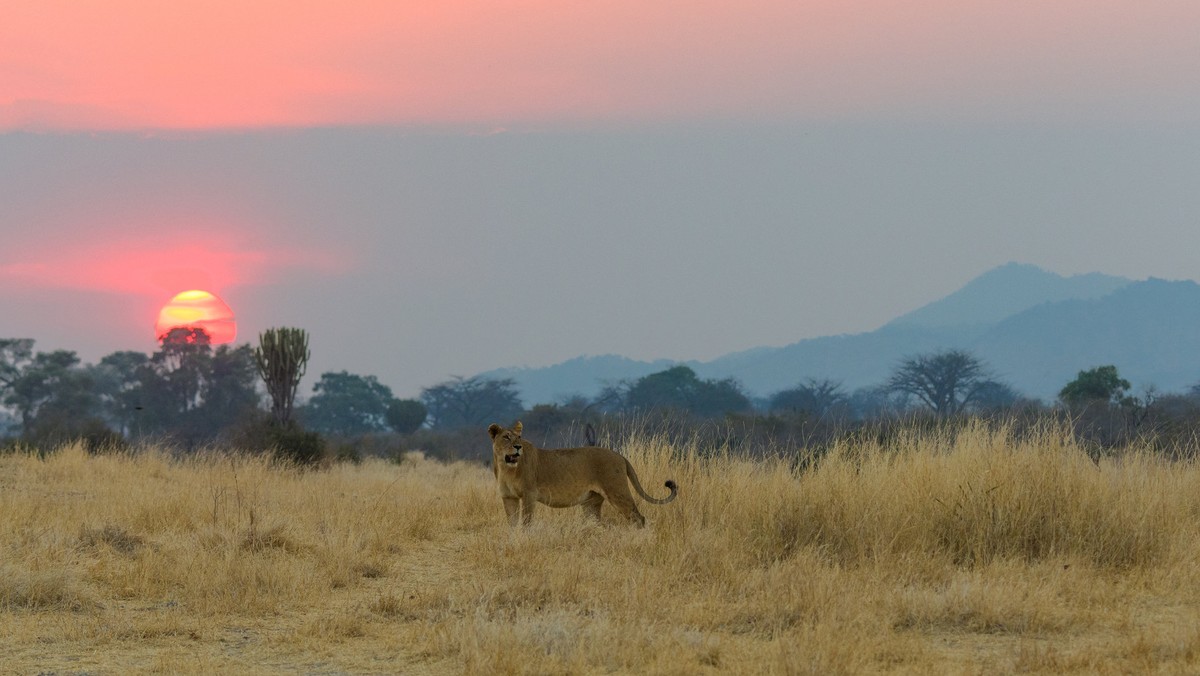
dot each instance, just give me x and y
(527, 505)
(511, 506)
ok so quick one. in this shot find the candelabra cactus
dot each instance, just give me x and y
(281, 356)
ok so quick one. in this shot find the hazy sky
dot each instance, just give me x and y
(444, 188)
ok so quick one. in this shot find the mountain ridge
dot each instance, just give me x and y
(1036, 340)
(1005, 291)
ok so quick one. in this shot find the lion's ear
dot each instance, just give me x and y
(517, 428)
(493, 430)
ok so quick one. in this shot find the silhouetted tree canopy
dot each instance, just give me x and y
(468, 402)
(230, 386)
(15, 355)
(818, 398)
(116, 380)
(992, 395)
(406, 416)
(876, 402)
(51, 385)
(345, 404)
(185, 392)
(1099, 385)
(678, 388)
(947, 382)
(190, 392)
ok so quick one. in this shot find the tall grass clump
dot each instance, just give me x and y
(973, 496)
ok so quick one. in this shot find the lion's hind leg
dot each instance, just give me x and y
(591, 504)
(627, 507)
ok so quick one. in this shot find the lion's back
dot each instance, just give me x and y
(582, 464)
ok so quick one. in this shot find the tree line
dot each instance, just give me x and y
(193, 394)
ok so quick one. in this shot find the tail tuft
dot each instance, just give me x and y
(671, 484)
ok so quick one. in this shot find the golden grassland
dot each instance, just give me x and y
(977, 553)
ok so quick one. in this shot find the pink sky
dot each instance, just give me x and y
(136, 64)
(810, 150)
(149, 236)
(136, 266)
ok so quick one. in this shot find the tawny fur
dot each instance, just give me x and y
(564, 477)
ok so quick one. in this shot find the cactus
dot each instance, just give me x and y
(281, 356)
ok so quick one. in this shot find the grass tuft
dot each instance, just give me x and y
(44, 590)
(120, 539)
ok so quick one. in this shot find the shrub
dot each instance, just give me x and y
(286, 441)
(302, 447)
(51, 432)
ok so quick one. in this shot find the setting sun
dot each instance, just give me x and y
(196, 309)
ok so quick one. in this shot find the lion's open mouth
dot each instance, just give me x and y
(512, 459)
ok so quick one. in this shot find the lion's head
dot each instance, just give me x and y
(506, 444)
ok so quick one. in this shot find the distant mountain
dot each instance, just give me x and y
(858, 360)
(1004, 291)
(1035, 329)
(1150, 330)
(584, 376)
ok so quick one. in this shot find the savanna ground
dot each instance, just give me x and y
(973, 553)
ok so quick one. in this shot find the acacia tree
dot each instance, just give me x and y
(463, 402)
(346, 404)
(15, 355)
(118, 379)
(947, 382)
(181, 362)
(1099, 385)
(186, 390)
(281, 357)
(995, 396)
(815, 397)
(51, 382)
(680, 389)
(229, 390)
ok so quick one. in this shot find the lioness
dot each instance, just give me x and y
(563, 477)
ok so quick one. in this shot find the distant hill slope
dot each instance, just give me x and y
(1036, 330)
(858, 360)
(584, 376)
(1004, 291)
(1150, 330)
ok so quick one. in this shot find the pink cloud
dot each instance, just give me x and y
(130, 64)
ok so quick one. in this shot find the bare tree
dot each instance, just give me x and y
(946, 382)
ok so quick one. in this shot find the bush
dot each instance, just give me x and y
(406, 416)
(51, 432)
(292, 443)
(288, 441)
(347, 451)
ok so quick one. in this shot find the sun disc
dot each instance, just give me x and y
(197, 309)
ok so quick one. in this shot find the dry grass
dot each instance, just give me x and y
(974, 555)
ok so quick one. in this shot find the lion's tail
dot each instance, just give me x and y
(637, 485)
